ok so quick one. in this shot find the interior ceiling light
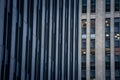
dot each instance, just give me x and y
(107, 24)
(107, 35)
(84, 52)
(118, 35)
(115, 36)
(118, 38)
(106, 21)
(107, 49)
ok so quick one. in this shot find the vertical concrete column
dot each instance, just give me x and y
(1, 32)
(74, 39)
(50, 39)
(42, 40)
(63, 39)
(112, 42)
(79, 41)
(100, 41)
(88, 42)
(57, 27)
(69, 13)
(34, 40)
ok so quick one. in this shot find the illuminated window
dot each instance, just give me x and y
(117, 43)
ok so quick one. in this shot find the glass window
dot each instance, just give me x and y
(84, 6)
(93, 6)
(83, 66)
(92, 30)
(83, 78)
(117, 32)
(92, 74)
(117, 43)
(117, 65)
(84, 22)
(107, 30)
(84, 26)
(117, 28)
(92, 24)
(117, 25)
(84, 30)
(107, 5)
(107, 25)
(107, 65)
(83, 43)
(92, 44)
(107, 43)
(117, 5)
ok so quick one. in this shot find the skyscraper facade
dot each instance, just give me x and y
(59, 39)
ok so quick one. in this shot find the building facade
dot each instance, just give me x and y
(59, 39)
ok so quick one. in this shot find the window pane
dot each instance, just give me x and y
(93, 6)
(117, 5)
(84, 6)
(107, 5)
(117, 45)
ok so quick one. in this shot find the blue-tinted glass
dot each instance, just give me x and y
(107, 43)
(107, 6)
(92, 74)
(117, 27)
(107, 30)
(92, 30)
(84, 30)
(92, 24)
(83, 43)
(117, 44)
(117, 5)
(84, 6)
(92, 44)
(93, 6)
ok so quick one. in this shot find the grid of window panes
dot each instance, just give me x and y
(107, 5)
(83, 53)
(93, 6)
(117, 5)
(92, 49)
(84, 6)
(107, 48)
(117, 47)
